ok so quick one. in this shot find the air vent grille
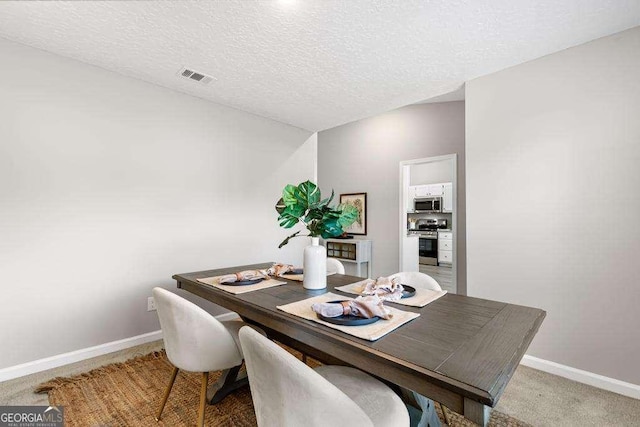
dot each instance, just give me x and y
(196, 76)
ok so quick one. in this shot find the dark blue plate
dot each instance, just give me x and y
(408, 291)
(244, 282)
(294, 271)
(347, 320)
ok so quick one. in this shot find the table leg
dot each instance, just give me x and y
(429, 415)
(476, 412)
(230, 380)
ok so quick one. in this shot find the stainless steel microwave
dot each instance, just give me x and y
(427, 204)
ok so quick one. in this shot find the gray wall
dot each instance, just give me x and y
(555, 144)
(109, 185)
(364, 156)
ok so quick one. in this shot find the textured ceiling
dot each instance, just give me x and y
(313, 64)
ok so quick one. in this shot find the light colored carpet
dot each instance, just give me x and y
(546, 400)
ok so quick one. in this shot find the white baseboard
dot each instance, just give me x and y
(584, 377)
(58, 360)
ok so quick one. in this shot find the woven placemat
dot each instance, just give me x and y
(129, 394)
(241, 289)
(369, 332)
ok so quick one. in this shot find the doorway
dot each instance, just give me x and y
(428, 226)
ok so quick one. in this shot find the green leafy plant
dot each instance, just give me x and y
(304, 203)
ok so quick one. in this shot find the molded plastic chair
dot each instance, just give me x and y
(417, 280)
(196, 341)
(334, 266)
(288, 393)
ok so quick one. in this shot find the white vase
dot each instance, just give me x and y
(315, 265)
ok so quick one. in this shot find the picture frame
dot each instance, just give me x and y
(359, 200)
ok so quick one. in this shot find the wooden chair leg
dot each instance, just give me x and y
(203, 398)
(445, 414)
(167, 391)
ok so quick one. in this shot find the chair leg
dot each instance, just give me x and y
(203, 398)
(167, 391)
(445, 414)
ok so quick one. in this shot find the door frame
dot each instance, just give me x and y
(404, 185)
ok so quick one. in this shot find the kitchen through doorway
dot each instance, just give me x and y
(428, 218)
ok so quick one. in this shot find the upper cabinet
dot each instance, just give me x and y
(429, 190)
(411, 194)
(447, 198)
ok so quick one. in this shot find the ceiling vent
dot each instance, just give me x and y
(190, 74)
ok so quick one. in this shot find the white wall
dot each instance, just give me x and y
(431, 173)
(553, 178)
(109, 186)
(365, 156)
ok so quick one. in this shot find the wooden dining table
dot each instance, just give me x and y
(461, 351)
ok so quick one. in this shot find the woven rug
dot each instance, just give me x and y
(129, 394)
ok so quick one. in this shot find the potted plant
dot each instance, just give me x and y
(303, 203)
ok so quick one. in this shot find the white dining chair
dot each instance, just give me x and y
(288, 393)
(196, 341)
(334, 266)
(417, 280)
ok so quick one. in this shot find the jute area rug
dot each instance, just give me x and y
(129, 394)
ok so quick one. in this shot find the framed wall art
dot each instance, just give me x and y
(359, 201)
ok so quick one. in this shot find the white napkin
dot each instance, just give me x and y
(367, 307)
(387, 289)
(243, 275)
(278, 269)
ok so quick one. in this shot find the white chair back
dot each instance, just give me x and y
(288, 393)
(194, 340)
(334, 266)
(417, 280)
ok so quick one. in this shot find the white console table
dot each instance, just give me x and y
(354, 251)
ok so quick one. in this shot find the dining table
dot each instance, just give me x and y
(461, 351)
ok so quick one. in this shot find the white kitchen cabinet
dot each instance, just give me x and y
(445, 257)
(447, 198)
(410, 253)
(421, 190)
(411, 194)
(430, 190)
(436, 189)
(445, 247)
(445, 235)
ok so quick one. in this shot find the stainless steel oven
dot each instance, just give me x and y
(428, 247)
